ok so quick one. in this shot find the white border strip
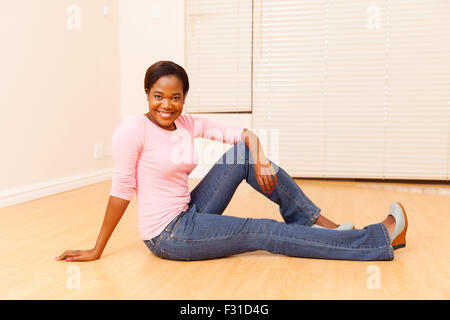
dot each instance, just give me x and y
(23, 194)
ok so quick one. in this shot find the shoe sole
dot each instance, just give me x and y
(400, 240)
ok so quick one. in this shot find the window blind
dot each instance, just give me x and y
(218, 55)
(418, 110)
(352, 89)
(358, 89)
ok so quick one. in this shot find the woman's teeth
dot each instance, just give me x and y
(165, 115)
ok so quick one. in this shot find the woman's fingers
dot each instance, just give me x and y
(260, 181)
(266, 180)
(274, 175)
(76, 258)
(80, 255)
(269, 182)
(63, 255)
(271, 177)
(266, 177)
(266, 184)
(68, 254)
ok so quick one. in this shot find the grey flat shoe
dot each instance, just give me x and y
(398, 236)
(342, 227)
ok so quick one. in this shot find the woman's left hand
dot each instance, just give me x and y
(264, 172)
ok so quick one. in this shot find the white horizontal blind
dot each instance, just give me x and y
(356, 88)
(289, 69)
(218, 55)
(418, 113)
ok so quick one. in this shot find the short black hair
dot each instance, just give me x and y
(165, 68)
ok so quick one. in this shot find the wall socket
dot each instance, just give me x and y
(98, 151)
(101, 151)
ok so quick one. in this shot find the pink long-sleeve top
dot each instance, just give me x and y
(156, 164)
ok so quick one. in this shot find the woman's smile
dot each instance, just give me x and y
(165, 115)
(165, 101)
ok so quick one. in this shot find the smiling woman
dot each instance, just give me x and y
(166, 85)
(154, 158)
(165, 101)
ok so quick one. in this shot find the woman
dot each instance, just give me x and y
(153, 154)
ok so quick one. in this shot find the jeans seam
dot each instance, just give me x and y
(310, 213)
(170, 255)
(175, 227)
(156, 245)
(313, 218)
(216, 189)
(282, 236)
(388, 241)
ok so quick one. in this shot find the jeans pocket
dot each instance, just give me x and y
(173, 226)
(177, 224)
(154, 246)
(148, 243)
(153, 243)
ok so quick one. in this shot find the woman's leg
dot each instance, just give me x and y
(201, 236)
(216, 189)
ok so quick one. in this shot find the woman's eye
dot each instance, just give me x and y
(157, 97)
(176, 98)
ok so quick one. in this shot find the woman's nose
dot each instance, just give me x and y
(165, 103)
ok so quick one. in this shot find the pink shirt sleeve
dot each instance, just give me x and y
(127, 144)
(213, 130)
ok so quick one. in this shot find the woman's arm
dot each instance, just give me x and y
(114, 212)
(253, 144)
(127, 144)
(264, 171)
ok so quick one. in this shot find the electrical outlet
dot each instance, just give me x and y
(98, 151)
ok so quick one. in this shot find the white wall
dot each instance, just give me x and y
(63, 90)
(150, 30)
(59, 95)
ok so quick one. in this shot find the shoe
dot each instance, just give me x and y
(398, 236)
(342, 227)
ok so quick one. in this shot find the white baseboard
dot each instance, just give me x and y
(32, 192)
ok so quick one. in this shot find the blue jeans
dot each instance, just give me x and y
(202, 232)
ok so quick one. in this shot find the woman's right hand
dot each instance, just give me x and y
(79, 255)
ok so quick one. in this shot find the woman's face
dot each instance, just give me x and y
(165, 101)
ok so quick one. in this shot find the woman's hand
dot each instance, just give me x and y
(79, 255)
(264, 172)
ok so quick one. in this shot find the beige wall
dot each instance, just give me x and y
(153, 30)
(62, 91)
(59, 93)
(150, 30)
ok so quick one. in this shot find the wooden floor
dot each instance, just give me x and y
(33, 233)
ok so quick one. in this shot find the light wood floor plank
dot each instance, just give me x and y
(33, 233)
